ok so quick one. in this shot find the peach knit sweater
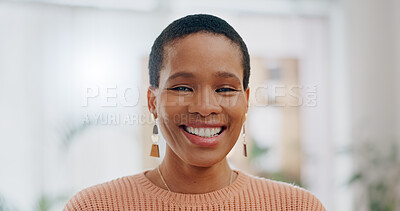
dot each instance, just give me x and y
(245, 193)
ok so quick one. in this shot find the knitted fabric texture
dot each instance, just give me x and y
(245, 193)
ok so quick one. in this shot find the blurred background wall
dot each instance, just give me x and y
(73, 83)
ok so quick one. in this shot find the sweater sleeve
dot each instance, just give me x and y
(81, 202)
(315, 204)
(305, 200)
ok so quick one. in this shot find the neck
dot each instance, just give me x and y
(182, 177)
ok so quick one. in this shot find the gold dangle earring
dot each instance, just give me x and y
(155, 152)
(244, 137)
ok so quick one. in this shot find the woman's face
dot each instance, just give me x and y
(200, 103)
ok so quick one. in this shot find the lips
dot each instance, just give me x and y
(203, 135)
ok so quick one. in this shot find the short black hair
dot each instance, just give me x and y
(189, 25)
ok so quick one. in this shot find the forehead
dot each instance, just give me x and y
(202, 37)
(202, 52)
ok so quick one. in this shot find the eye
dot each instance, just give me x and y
(226, 90)
(181, 89)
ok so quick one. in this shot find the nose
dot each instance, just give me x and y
(205, 103)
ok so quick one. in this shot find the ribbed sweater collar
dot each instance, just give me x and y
(217, 196)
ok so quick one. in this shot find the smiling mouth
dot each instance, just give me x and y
(207, 132)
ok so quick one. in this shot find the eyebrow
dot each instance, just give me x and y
(181, 74)
(227, 75)
(220, 74)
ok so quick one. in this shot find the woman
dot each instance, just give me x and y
(199, 72)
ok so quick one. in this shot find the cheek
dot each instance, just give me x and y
(170, 110)
(234, 102)
(236, 109)
(238, 103)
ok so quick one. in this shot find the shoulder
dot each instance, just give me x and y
(284, 194)
(112, 195)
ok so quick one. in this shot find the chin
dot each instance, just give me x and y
(203, 159)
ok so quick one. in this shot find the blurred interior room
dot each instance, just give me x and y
(324, 105)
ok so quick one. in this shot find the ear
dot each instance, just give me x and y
(151, 101)
(247, 97)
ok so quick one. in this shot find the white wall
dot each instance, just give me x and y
(371, 50)
(48, 55)
(339, 113)
(21, 103)
(397, 70)
(371, 61)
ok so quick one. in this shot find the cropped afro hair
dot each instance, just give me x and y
(189, 25)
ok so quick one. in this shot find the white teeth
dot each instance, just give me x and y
(207, 132)
(204, 132)
(201, 132)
